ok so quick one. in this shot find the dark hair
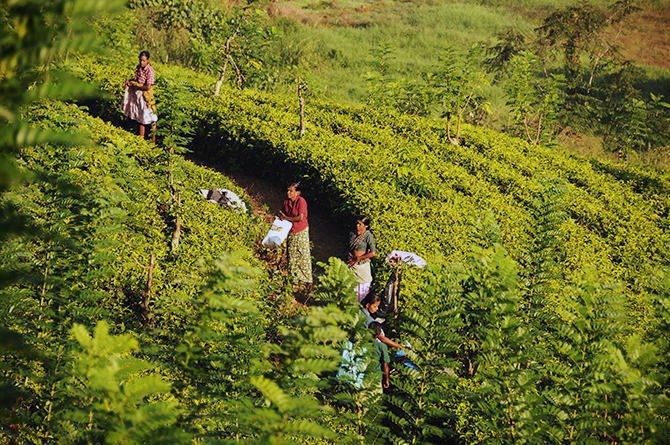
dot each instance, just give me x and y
(376, 327)
(365, 219)
(144, 53)
(295, 185)
(371, 298)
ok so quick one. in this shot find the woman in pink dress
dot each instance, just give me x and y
(138, 101)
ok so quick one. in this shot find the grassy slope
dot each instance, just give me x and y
(340, 56)
(337, 40)
(338, 37)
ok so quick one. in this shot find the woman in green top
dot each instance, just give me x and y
(361, 249)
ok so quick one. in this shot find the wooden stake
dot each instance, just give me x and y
(146, 295)
(395, 298)
(177, 226)
(301, 99)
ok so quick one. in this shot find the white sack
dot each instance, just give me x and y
(406, 257)
(277, 233)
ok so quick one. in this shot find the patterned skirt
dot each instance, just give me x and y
(299, 256)
(137, 107)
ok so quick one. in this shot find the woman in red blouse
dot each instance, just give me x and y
(294, 209)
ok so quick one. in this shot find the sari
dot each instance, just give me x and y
(364, 242)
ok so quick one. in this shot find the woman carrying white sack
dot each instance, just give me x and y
(294, 210)
(361, 249)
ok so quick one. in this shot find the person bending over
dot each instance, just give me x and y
(369, 306)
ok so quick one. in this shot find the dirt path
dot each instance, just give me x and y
(328, 237)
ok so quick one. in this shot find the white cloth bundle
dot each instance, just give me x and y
(230, 199)
(398, 256)
(277, 233)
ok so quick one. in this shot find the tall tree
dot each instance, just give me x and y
(575, 31)
(534, 98)
(457, 88)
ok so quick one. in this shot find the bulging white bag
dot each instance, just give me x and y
(277, 233)
(400, 256)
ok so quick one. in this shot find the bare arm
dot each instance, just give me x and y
(298, 218)
(387, 341)
(385, 381)
(359, 256)
(135, 85)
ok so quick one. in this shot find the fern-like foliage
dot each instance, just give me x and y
(109, 396)
(35, 35)
(221, 350)
(598, 382)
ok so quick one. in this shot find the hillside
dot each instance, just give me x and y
(340, 45)
(338, 39)
(426, 194)
(593, 71)
(530, 242)
(135, 311)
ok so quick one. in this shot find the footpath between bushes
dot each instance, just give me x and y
(329, 237)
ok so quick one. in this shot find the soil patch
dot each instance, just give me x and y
(328, 237)
(646, 38)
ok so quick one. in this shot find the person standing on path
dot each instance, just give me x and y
(361, 249)
(294, 209)
(138, 101)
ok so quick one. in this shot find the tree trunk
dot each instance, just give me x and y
(174, 244)
(50, 402)
(526, 129)
(527, 122)
(457, 140)
(449, 138)
(176, 235)
(226, 54)
(539, 129)
(448, 128)
(146, 295)
(597, 59)
(238, 73)
(222, 76)
(302, 107)
(43, 292)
